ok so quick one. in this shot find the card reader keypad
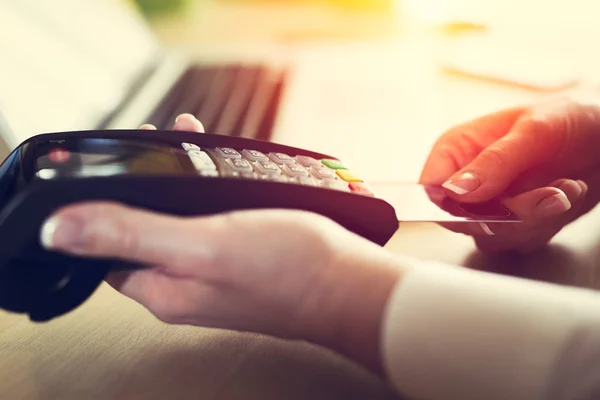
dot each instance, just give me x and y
(277, 167)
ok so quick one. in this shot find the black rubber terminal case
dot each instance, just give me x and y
(45, 284)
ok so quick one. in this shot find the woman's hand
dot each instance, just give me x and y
(286, 273)
(540, 160)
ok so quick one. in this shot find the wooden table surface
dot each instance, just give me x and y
(111, 348)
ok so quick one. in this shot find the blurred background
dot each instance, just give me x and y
(348, 77)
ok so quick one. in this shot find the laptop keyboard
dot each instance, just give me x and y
(232, 100)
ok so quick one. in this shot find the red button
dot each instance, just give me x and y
(59, 156)
(361, 188)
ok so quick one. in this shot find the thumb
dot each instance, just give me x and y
(529, 143)
(115, 231)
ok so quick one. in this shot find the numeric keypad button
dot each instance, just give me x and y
(228, 152)
(322, 172)
(254, 155)
(201, 160)
(268, 168)
(307, 161)
(189, 146)
(281, 158)
(240, 165)
(294, 170)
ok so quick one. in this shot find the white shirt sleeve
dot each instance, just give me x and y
(454, 333)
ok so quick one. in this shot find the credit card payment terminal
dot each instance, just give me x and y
(179, 173)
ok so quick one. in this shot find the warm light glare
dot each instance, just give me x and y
(428, 11)
(508, 13)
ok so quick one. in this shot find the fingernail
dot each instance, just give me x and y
(571, 186)
(583, 186)
(61, 233)
(555, 204)
(186, 115)
(462, 184)
(189, 123)
(486, 229)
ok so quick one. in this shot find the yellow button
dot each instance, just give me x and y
(347, 176)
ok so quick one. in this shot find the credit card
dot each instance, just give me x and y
(421, 203)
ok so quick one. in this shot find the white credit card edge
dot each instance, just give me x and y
(419, 208)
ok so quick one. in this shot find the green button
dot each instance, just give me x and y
(333, 164)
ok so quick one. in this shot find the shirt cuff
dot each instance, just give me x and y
(450, 332)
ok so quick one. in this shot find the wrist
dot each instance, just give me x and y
(345, 311)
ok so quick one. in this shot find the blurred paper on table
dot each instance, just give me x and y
(509, 60)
